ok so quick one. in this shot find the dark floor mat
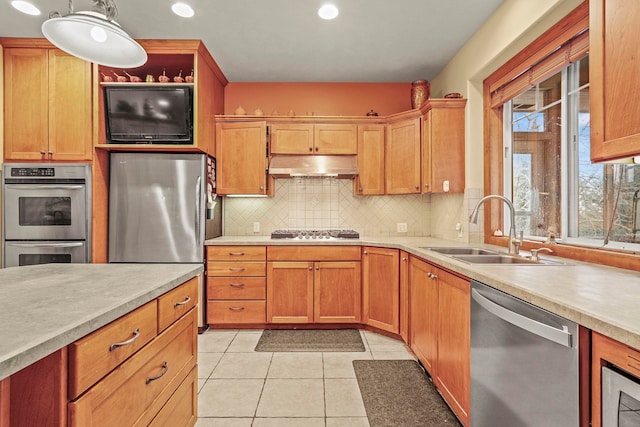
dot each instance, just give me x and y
(399, 393)
(310, 340)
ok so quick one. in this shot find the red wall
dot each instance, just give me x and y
(321, 99)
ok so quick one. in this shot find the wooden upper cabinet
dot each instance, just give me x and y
(370, 179)
(242, 158)
(402, 157)
(443, 146)
(335, 139)
(306, 138)
(48, 105)
(614, 86)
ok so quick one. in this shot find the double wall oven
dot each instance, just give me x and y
(46, 214)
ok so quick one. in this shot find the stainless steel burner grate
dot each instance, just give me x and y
(315, 234)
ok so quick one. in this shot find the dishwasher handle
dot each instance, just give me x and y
(559, 336)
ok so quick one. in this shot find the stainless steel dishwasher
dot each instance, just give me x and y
(524, 363)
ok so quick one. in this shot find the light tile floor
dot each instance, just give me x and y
(239, 387)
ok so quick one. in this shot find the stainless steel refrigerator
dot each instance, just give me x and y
(162, 207)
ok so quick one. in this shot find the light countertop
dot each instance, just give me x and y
(603, 299)
(46, 307)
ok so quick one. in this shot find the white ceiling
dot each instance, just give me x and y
(285, 41)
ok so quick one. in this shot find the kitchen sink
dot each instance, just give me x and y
(462, 251)
(487, 256)
(503, 259)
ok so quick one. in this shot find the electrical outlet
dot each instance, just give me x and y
(402, 227)
(459, 229)
(256, 227)
(445, 186)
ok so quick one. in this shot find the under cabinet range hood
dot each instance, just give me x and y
(286, 166)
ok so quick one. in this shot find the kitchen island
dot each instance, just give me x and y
(48, 310)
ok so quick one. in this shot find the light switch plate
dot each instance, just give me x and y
(256, 227)
(402, 227)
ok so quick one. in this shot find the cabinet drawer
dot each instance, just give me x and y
(231, 268)
(94, 356)
(236, 288)
(137, 390)
(313, 253)
(174, 304)
(236, 253)
(182, 408)
(236, 312)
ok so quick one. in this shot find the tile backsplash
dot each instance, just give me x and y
(320, 203)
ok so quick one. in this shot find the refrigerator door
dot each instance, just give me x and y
(157, 207)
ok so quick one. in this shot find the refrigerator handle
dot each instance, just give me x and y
(198, 208)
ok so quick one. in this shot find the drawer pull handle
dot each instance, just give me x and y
(236, 308)
(237, 285)
(186, 301)
(135, 336)
(236, 269)
(165, 368)
(236, 253)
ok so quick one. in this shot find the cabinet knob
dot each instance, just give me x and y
(365, 252)
(317, 268)
(417, 187)
(262, 188)
(404, 258)
(361, 189)
(310, 148)
(310, 268)
(426, 186)
(317, 149)
(43, 152)
(50, 153)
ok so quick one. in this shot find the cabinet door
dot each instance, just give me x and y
(291, 138)
(370, 179)
(404, 297)
(423, 293)
(289, 292)
(337, 294)
(70, 122)
(381, 288)
(402, 157)
(443, 149)
(26, 104)
(614, 86)
(335, 139)
(453, 372)
(242, 154)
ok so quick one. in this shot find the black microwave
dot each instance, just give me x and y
(139, 114)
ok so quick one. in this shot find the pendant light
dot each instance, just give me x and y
(94, 36)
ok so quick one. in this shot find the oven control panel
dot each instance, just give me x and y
(22, 172)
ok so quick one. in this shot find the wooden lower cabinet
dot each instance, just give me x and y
(236, 285)
(381, 288)
(313, 292)
(606, 351)
(313, 284)
(404, 298)
(182, 407)
(137, 390)
(423, 313)
(440, 331)
(453, 372)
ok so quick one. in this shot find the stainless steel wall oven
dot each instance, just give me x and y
(46, 213)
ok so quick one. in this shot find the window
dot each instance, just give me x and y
(548, 172)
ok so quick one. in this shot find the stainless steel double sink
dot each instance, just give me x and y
(487, 256)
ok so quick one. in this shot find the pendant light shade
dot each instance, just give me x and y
(94, 36)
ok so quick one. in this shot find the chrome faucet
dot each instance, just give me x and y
(514, 244)
(534, 253)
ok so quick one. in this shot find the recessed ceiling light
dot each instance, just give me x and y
(25, 7)
(182, 9)
(328, 11)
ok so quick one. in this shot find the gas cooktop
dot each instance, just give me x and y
(315, 234)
